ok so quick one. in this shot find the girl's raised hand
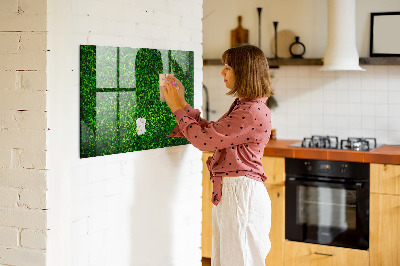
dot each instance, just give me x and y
(181, 89)
(173, 94)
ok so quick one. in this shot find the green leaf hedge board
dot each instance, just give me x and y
(120, 107)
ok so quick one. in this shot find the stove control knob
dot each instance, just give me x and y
(308, 166)
(343, 168)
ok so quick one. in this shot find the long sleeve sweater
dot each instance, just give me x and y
(238, 139)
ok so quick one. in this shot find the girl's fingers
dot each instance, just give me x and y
(176, 82)
(167, 87)
(170, 87)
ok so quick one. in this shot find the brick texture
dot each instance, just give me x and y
(23, 126)
(9, 237)
(33, 199)
(17, 256)
(8, 197)
(93, 199)
(23, 218)
(23, 178)
(33, 239)
(125, 206)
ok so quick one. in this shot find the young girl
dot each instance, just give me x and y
(242, 209)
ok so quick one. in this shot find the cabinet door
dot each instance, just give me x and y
(385, 178)
(304, 254)
(384, 230)
(277, 233)
(206, 226)
(274, 168)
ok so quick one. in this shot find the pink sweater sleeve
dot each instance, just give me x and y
(234, 129)
(193, 113)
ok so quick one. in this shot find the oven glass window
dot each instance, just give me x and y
(326, 207)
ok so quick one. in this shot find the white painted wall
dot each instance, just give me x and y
(343, 104)
(140, 208)
(306, 19)
(23, 133)
(311, 102)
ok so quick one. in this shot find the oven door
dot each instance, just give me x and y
(327, 213)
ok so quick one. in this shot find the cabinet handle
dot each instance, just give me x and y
(324, 254)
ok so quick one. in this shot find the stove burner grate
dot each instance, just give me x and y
(332, 142)
(327, 142)
(358, 144)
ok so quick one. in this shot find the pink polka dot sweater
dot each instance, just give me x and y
(238, 139)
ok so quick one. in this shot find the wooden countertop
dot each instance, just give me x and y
(389, 154)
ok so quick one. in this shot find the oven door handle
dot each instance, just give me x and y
(352, 185)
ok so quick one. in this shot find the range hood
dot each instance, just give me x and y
(341, 51)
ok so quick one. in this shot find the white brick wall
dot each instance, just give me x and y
(100, 209)
(9, 237)
(23, 132)
(140, 208)
(8, 197)
(23, 256)
(23, 178)
(34, 239)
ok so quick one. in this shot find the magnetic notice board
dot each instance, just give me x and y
(120, 106)
(385, 36)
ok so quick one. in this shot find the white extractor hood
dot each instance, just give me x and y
(341, 51)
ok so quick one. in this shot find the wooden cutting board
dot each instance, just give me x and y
(239, 35)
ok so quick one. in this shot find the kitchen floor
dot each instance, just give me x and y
(206, 261)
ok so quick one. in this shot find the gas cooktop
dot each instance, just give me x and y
(332, 142)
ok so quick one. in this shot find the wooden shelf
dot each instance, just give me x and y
(380, 61)
(274, 63)
(212, 62)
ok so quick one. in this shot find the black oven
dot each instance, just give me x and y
(327, 202)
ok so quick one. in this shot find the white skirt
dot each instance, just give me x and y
(241, 223)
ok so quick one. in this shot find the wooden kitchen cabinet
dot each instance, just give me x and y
(206, 225)
(385, 215)
(274, 168)
(385, 178)
(277, 233)
(384, 236)
(305, 254)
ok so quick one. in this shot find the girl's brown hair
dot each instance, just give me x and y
(250, 66)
